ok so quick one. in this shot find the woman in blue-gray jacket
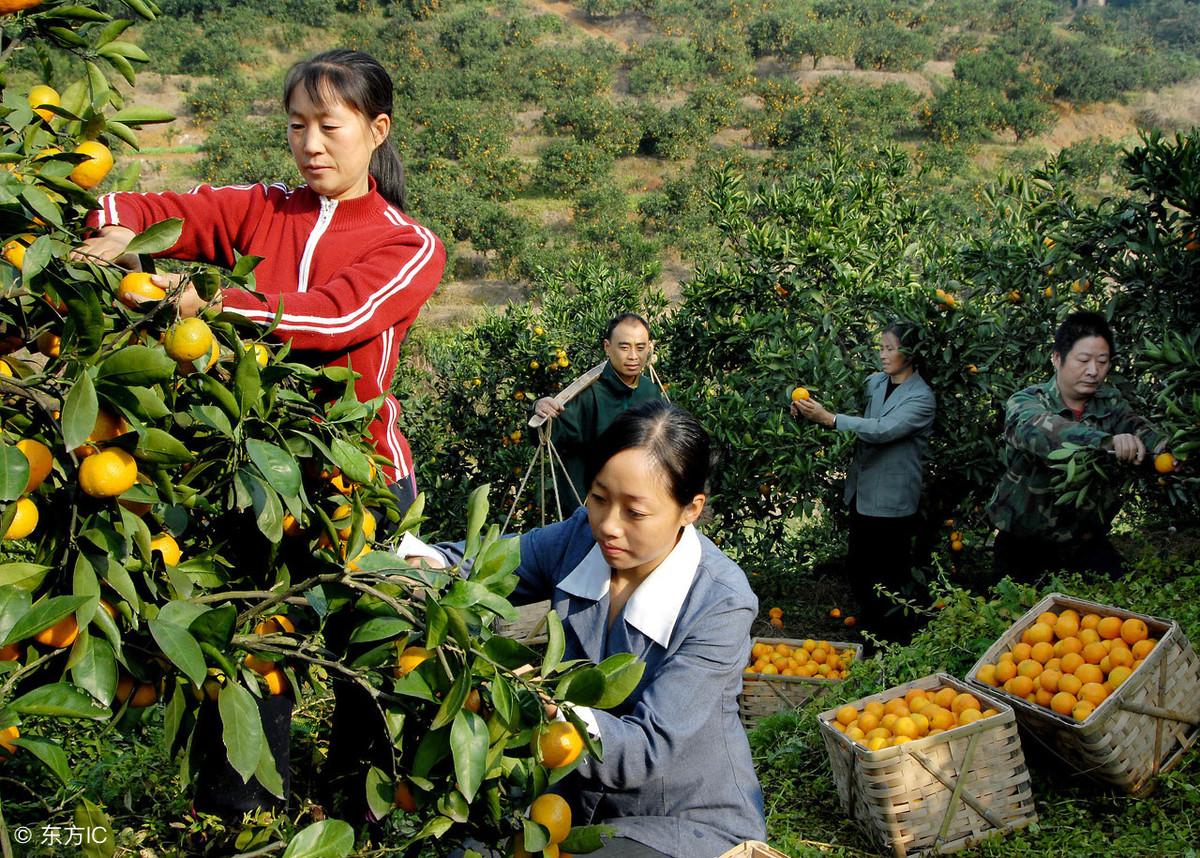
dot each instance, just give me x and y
(629, 572)
(883, 483)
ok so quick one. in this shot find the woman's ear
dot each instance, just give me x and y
(692, 511)
(381, 126)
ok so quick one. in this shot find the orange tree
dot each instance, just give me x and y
(189, 513)
(815, 264)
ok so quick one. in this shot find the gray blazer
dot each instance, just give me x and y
(676, 773)
(893, 441)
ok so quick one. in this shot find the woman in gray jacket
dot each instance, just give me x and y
(883, 484)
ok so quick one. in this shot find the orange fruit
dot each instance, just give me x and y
(850, 621)
(61, 634)
(868, 721)
(552, 812)
(87, 174)
(776, 622)
(49, 344)
(474, 701)
(40, 459)
(1120, 657)
(1164, 463)
(1094, 653)
(987, 675)
(1067, 646)
(41, 95)
(166, 545)
(1041, 696)
(276, 682)
(275, 624)
(1029, 667)
(1067, 625)
(1087, 636)
(559, 745)
(1134, 630)
(1071, 662)
(7, 7)
(969, 716)
(1118, 676)
(847, 714)
(775, 612)
(25, 521)
(905, 726)
(1069, 683)
(835, 612)
(135, 285)
(1049, 618)
(261, 666)
(800, 393)
(1021, 652)
(1082, 710)
(1142, 648)
(1005, 671)
(7, 735)
(1109, 628)
(403, 798)
(14, 251)
(189, 340)
(1038, 633)
(10, 652)
(145, 694)
(108, 473)
(1089, 621)
(940, 718)
(1093, 692)
(1042, 652)
(410, 659)
(1089, 673)
(963, 702)
(262, 355)
(1063, 703)
(344, 514)
(1020, 686)
(1049, 680)
(944, 697)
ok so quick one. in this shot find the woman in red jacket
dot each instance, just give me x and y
(348, 267)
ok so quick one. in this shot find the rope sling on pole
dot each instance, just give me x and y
(547, 454)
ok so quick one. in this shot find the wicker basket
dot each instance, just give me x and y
(939, 793)
(1139, 730)
(530, 627)
(752, 849)
(765, 694)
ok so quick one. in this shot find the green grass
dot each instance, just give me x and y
(1076, 815)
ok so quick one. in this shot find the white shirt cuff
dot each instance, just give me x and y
(411, 546)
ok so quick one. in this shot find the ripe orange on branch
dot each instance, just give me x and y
(87, 174)
(25, 521)
(800, 393)
(554, 814)
(41, 95)
(61, 634)
(559, 745)
(108, 473)
(135, 285)
(188, 340)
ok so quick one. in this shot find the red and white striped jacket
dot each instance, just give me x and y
(351, 274)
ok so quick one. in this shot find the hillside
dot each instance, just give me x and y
(647, 98)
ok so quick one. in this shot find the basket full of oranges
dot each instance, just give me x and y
(783, 673)
(1112, 693)
(930, 766)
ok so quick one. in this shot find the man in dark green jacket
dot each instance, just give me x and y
(1036, 534)
(623, 384)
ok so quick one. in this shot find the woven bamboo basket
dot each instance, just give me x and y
(765, 694)
(752, 849)
(1139, 730)
(940, 793)
(530, 627)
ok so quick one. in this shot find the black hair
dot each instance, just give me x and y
(626, 317)
(674, 440)
(908, 334)
(1079, 325)
(359, 80)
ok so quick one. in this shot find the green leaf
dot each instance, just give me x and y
(244, 265)
(583, 687)
(622, 673)
(329, 838)
(14, 473)
(26, 576)
(556, 643)
(79, 412)
(94, 668)
(145, 116)
(242, 728)
(454, 700)
(502, 699)
(509, 653)
(136, 365)
(477, 510)
(351, 460)
(42, 205)
(469, 745)
(586, 838)
(535, 836)
(247, 382)
(277, 466)
(215, 627)
(44, 614)
(436, 622)
(60, 700)
(91, 818)
(380, 792)
(161, 447)
(379, 629)
(50, 754)
(267, 771)
(181, 648)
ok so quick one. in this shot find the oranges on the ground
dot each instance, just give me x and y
(410, 659)
(24, 522)
(800, 393)
(108, 473)
(819, 659)
(554, 814)
(87, 174)
(137, 285)
(919, 713)
(61, 634)
(188, 340)
(559, 745)
(1083, 661)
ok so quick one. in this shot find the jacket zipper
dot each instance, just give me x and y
(323, 220)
